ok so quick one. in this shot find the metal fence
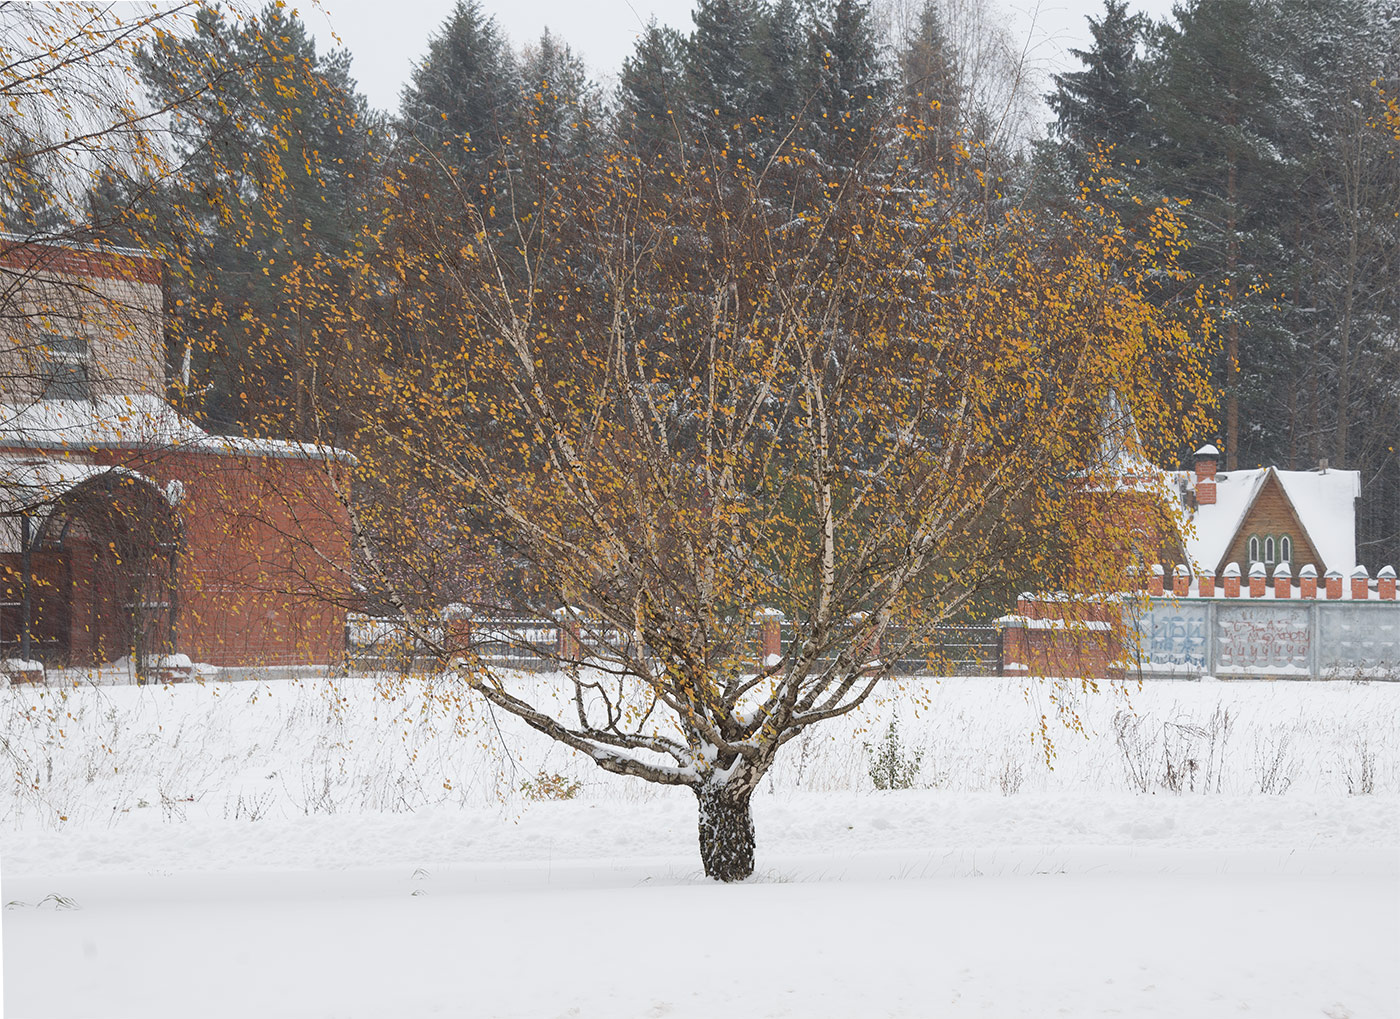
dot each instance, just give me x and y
(534, 643)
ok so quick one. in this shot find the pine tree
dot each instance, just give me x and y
(1339, 279)
(1215, 111)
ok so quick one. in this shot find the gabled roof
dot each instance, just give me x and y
(1323, 501)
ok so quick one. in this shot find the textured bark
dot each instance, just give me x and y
(726, 833)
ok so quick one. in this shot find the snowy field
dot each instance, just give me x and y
(312, 848)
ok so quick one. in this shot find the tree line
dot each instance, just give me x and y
(1263, 119)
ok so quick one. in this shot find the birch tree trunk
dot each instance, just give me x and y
(726, 831)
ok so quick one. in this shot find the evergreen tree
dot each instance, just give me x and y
(459, 100)
(1214, 102)
(1339, 282)
(785, 90)
(930, 87)
(281, 157)
(850, 85)
(724, 72)
(652, 105)
(28, 209)
(558, 110)
(1103, 104)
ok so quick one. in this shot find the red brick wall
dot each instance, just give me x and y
(265, 571)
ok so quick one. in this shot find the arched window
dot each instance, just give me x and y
(1285, 550)
(1254, 548)
(1269, 550)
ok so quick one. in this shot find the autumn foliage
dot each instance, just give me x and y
(673, 393)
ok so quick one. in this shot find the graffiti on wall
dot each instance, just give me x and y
(1176, 636)
(1262, 638)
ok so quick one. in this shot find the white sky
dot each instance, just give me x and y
(387, 39)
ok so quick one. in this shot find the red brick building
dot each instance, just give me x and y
(127, 530)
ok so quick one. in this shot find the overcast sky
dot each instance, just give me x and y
(386, 39)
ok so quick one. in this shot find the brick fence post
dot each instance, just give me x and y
(1360, 584)
(1334, 583)
(1206, 584)
(1258, 580)
(770, 631)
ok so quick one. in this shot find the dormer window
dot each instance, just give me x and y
(67, 376)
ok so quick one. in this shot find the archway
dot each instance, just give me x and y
(104, 559)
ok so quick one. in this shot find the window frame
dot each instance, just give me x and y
(68, 364)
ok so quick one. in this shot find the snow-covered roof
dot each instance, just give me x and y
(136, 420)
(1324, 501)
(32, 485)
(133, 421)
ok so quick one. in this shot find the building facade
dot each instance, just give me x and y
(126, 530)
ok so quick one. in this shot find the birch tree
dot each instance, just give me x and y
(676, 401)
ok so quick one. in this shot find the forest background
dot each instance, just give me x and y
(1263, 121)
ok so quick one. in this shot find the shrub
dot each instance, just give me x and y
(891, 766)
(545, 786)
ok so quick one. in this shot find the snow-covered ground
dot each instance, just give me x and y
(334, 849)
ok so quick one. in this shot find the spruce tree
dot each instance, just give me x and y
(930, 88)
(652, 107)
(851, 88)
(1102, 104)
(724, 71)
(459, 100)
(785, 91)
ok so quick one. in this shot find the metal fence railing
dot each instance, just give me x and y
(541, 643)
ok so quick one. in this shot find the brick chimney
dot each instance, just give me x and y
(1207, 459)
